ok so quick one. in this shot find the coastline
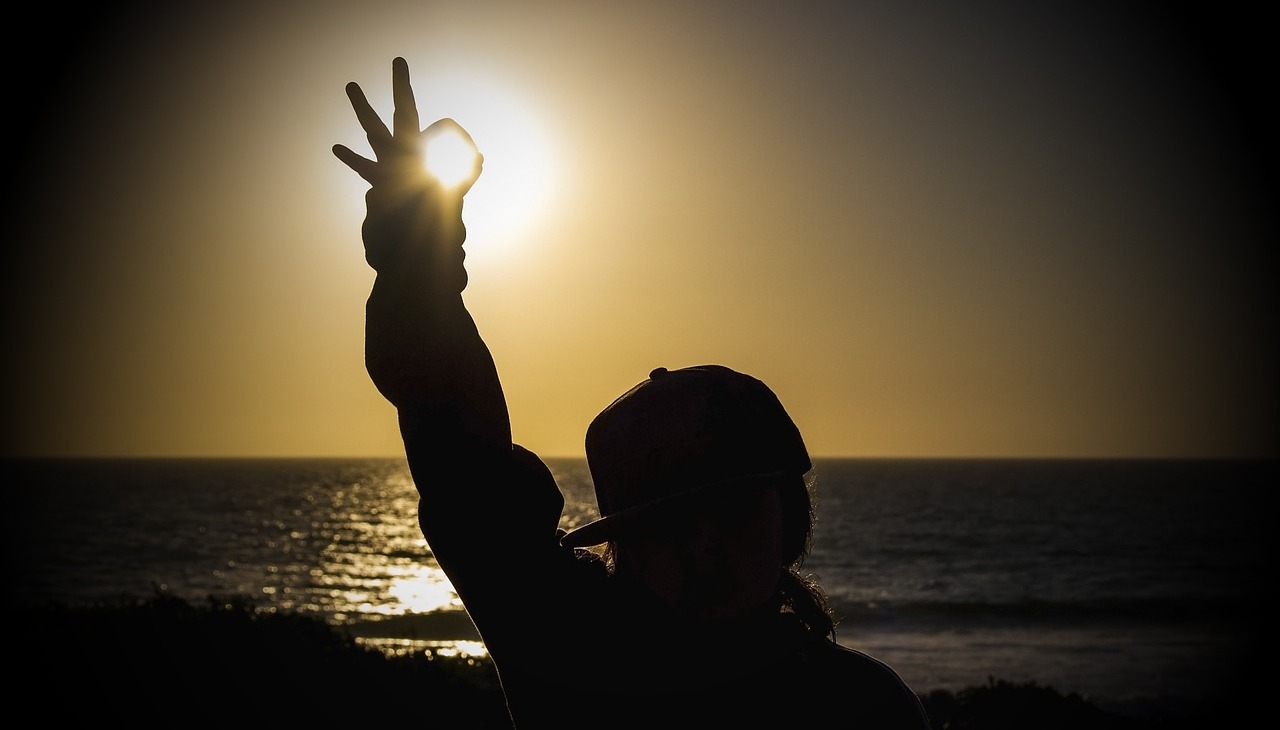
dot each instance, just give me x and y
(1198, 664)
(1052, 573)
(237, 661)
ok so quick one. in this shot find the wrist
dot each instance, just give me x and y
(415, 229)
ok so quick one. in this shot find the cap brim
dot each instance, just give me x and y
(609, 527)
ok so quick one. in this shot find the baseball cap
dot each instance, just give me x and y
(693, 432)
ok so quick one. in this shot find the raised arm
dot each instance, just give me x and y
(422, 348)
(489, 509)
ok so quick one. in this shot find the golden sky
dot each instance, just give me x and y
(934, 230)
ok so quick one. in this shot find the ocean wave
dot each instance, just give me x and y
(1035, 611)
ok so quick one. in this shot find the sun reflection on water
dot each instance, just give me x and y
(371, 571)
(423, 589)
(447, 649)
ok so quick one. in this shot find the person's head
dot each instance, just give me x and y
(701, 480)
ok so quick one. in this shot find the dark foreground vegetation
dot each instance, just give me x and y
(163, 661)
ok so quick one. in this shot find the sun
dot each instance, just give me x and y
(449, 157)
(519, 177)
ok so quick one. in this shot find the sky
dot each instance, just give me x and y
(934, 229)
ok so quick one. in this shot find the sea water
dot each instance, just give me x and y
(1127, 581)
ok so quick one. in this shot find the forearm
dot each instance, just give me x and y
(429, 361)
(422, 348)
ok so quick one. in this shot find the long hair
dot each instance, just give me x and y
(802, 594)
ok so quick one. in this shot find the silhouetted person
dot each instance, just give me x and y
(693, 612)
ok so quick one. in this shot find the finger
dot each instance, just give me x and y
(405, 118)
(379, 136)
(362, 166)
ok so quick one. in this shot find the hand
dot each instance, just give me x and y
(400, 152)
(412, 221)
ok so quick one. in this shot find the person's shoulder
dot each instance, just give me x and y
(838, 657)
(873, 687)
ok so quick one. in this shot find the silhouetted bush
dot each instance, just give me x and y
(162, 660)
(227, 661)
(1001, 705)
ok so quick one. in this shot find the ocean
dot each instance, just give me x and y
(1133, 583)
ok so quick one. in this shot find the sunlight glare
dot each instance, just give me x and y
(449, 157)
(519, 175)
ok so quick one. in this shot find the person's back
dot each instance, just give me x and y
(634, 670)
(674, 681)
(683, 604)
